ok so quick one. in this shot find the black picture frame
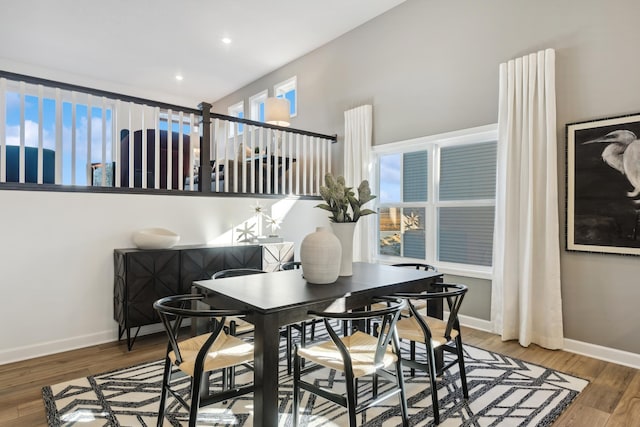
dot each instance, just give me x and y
(603, 185)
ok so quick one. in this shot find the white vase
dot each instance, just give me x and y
(344, 233)
(320, 254)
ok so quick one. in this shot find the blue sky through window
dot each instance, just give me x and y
(291, 96)
(31, 132)
(390, 178)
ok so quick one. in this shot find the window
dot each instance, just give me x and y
(288, 89)
(256, 104)
(437, 199)
(236, 110)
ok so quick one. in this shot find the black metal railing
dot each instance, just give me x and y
(56, 135)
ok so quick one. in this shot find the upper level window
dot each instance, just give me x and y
(437, 199)
(256, 104)
(288, 89)
(236, 110)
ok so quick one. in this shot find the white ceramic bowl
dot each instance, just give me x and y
(155, 238)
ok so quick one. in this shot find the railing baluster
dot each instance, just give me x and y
(21, 164)
(132, 163)
(40, 134)
(243, 156)
(144, 151)
(116, 141)
(215, 136)
(73, 138)
(156, 150)
(270, 153)
(87, 169)
(169, 161)
(104, 142)
(233, 146)
(180, 149)
(259, 168)
(193, 140)
(3, 130)
(284, 161)
(318, 169)
(252, 170)
(227, 172)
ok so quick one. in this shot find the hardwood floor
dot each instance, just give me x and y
(611, 399)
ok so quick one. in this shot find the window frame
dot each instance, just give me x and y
(433, 145)
(285, 86)
(254, 105)
(233, 111)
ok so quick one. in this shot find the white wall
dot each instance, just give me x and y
(56, 256)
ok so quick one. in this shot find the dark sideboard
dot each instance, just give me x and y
(143, 276)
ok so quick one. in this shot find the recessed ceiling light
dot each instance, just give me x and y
(226, 40)
(179, 77)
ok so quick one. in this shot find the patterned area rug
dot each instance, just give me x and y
(503, 391)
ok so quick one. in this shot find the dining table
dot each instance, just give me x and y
(281, 298)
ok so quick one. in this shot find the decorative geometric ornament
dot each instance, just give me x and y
(412, 221)
(246, 232)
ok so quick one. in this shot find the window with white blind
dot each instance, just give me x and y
(436, 199)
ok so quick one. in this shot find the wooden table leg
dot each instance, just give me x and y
(266, 358)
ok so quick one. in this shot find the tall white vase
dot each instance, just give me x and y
(320, 254)
(344, 233)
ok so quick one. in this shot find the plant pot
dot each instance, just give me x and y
(320, 256)
(344, 233)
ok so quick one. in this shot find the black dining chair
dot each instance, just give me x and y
(420, 305)
(356, 355)
(238, 326)
(435, 334)
(417, 304)
(199, 355)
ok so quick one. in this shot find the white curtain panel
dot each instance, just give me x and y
(526, 301)
(358, 126)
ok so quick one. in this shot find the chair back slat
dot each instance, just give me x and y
(235, 272)
(175, 308)
(453, 293)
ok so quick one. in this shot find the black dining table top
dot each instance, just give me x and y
(265, 293)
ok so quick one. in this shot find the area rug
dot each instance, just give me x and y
(503, 391)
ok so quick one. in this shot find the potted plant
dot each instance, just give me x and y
(346, 209)
(341, 200)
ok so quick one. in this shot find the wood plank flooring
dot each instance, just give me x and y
(612, 398)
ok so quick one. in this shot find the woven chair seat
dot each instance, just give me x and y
(409, 329)
(361, 347)
(225, 351)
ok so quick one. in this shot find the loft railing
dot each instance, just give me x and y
(55, 135)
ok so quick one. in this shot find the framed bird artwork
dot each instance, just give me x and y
(603, 185)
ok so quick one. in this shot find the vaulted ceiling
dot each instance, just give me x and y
(139, 46)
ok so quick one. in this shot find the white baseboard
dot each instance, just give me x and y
(607, 354)
(52, 347)
(59, 346)
(475, 323)
(599, 352)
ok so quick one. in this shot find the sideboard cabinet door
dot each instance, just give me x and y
(199, 264)
(141, 278)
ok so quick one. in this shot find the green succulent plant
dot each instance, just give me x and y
(341, 200)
